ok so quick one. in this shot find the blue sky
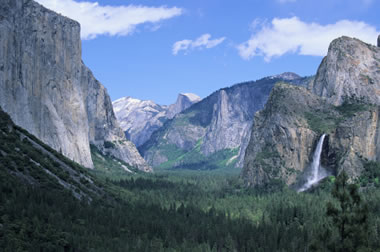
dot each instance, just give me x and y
(156, 49)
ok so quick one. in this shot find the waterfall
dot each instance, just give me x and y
(317, 172)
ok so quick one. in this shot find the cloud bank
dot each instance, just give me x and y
(291, 35)
(98, 20)
(200, 43)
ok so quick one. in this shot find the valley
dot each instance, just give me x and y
(281, 163)
(40, 209)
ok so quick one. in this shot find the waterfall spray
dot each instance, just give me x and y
(317, 172)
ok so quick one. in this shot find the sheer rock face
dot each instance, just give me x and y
(40, 68)
(46, 88)
(139, 119)
(339, 103)
(281, 140)
(231, 118)
(351, 68)
(220, 122)
(355, 140)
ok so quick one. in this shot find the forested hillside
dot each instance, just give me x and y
(49, 203)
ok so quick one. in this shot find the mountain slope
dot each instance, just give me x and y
(340, 103)
(210, 134)
(25, 157)
(50, 203)
(139, 119)
(46, 88)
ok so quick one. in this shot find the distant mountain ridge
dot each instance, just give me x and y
(287, 76)
(214, 132)
(139, 118)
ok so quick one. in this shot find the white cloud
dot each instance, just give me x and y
(109, 20)
(181, 45)
(201, 43)
(257, 23)
(291, 35)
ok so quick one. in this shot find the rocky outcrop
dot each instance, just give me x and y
(378, 41)
(354, 141)
(339, 103)
(281, 141)
(212, 132)
(46, 88)
(285, 134)
(184, 100)
(139, 119)
(350, 69)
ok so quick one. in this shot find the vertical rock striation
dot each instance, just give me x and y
(46, 89)
(40, 68)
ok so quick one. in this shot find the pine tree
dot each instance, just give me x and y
(349, 219)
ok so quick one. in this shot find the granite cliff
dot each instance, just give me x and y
(184, 100)
(139, 118)
(350, 69)
(342, 102)
(46, 88)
